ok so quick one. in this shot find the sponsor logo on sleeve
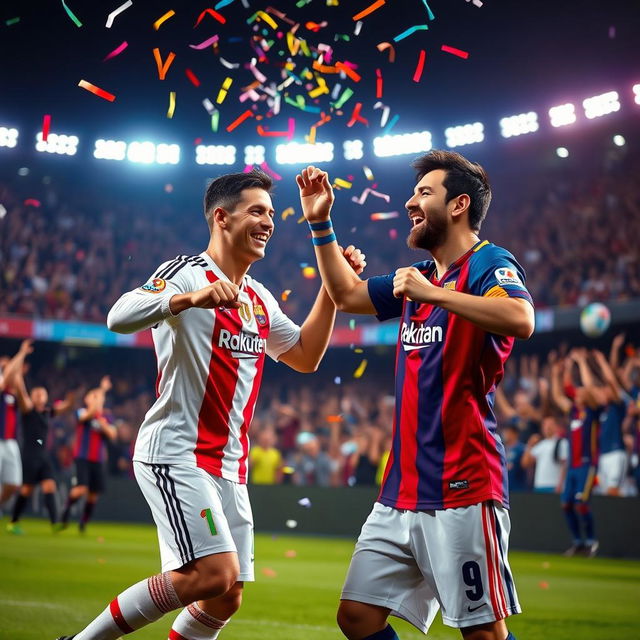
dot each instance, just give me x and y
(504, 275)
(154, 286)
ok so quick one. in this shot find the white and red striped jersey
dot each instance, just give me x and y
(210, 365)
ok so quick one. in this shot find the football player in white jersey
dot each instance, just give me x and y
(212, 325)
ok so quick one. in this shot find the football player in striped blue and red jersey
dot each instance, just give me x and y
(93, 430)
(438, 535)
(583, 404)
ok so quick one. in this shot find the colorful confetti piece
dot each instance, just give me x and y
(417, 74)
(368, 173)
(360, 370)
(71, 14)
(409, 31)
(214, 14)
(193, 78)
(384, 215)
(379, 84)
(11, 21)
(163, 67)
(309, 273)
(454, 51)
(158, 23)
(429, 12)
(205, 43)
(383, 46)
(222, 94)
(365, 194)
(101, 93)
(339, 182)
(46, 125)
(32, 202)
(117, 51)
(172, 104)
(239, 120)
(370, 9)
(284, 296)
(116, 12)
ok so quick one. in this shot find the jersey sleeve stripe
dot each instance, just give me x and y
(496, 292)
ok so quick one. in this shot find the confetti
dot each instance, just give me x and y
(370, 9)
(356, 117)
(477, 3)
(339, 182)
(334, 419)
(172, 104)
(314, 26)
(71, 14)
(268, 572)
(418, 72)
(229, 65)
(205, 43)
(116, 12)
(337, 380)
(429, 12)
(267, 18)
(383, 46)
(289, 211)
(385, 112)
(360, 370)
(409, 31)
(32, 202)
(284, 296)
(158, 23)
(392, 123)
(543, 585)
(208, 105)
(357, 350)
(291, 524)
(267, 169)
(11, 21)
(101, 93)
(393, 234)
(352, 324)
(454, 51)
(305, 502)
(368, 173)
(384, 215)
(347, 93)
(215, 120)
(192, 77)
(365, 194)
(222, 94)
(214, 14)
(358, 28)
(348, 71)
(290, 553)
(378, 83)
(117, 51)
(46, 125)
(163, 67)
(223, 3)
(309, 273)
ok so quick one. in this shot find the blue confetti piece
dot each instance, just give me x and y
(410, 30)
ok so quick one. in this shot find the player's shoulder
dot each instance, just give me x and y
(169, 268)
(487, 253)
(423, 266)
(260, 290)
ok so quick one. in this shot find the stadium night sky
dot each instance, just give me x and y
(521, 56)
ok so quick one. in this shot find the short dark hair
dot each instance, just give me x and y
(226, 191)
(463, 176)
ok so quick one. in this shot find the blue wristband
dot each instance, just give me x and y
(320, 226)
(318, 242)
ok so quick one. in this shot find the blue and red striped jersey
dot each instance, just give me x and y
(584, 432)
(611, 422)
(8, 416)
(90, 442)
(446, 451)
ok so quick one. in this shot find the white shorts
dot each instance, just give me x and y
(10, 463)
(414, 562)
(197, 514)
(612, 470)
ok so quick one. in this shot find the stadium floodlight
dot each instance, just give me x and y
(464, 134)
(519, 124)
(141, 152)
(636, 93)
(57, 143)
(562, 152)
(215, 154)
(562, 115)
(8, 137)
(385, 146)
(167, 153)
(296, 153)
(253, 154)
(110, 149)
(352, 149)
(601, 105)
(619, 140)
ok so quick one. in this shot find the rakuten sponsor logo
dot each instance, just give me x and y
(418, 336)
(242, 343)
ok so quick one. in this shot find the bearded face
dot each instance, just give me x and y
(427, 211)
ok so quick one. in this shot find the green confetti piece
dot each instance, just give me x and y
(352, 324)
(12, 21)
(301, 3)
(346, 94)
(431, 16)
(71, 14)
(215, 119)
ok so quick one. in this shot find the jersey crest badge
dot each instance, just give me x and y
(507, 276)
(154, 286)
(245, 312)
(450, 285)
(259, 313)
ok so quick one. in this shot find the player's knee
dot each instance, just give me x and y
(583, 509)
(48, 486)
(26, 490)
(350, 617)
(216, 575)
(230, 602)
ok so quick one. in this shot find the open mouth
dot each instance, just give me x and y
(416, 219)
(260, 238)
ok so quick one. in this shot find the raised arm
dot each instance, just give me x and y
(558, 369)
(608, 374)
(15, 365)
(346, 289)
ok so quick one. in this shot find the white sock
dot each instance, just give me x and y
(141, 604)
(193, 623)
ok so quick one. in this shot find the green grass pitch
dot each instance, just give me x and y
(55, 584)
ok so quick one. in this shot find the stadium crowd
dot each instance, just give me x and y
(71, 259)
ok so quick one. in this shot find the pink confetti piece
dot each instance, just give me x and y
(101, 93)
(384, 215)
(365, 194)
(46, 125)
(32, 202)
(267, 169)
(205, 43)
(117, 51)
(419, 68)
(454, 51)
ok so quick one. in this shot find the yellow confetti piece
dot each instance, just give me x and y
(301, 220)
(172, 104)
(358, 350)
(164, 18)
(311, 138)
(360, 370)
(320, 89)
(309, 273)
(339, 182)
(267, 18)
(222, 94)
(289, 211)
(285, 295)
(293, 43)
(368, 173)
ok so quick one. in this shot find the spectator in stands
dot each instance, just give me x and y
(514, 450)
(546, 453)
(311, 465)
(265, 461)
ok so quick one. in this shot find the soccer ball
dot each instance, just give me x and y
(595, 319)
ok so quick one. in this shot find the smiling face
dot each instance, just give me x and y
(428, 211)
(250, 224)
